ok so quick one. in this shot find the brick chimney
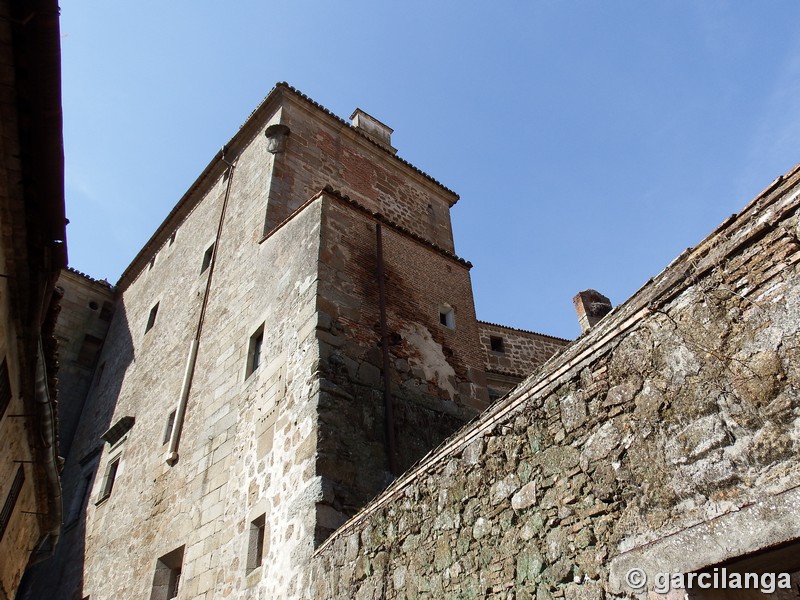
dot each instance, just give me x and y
(375, 130)
(591, 306)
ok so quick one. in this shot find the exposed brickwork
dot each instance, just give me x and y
(516, 353)
(665, 439)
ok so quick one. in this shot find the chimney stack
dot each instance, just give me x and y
(375, 130)
(591, 306)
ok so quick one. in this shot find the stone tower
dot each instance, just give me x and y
(296, 333)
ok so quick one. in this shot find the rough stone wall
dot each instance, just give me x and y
(436, 371)
(86, 311)
(321, 151)
(248, 442)
(298, 443)
(522, 352)
(667, 438)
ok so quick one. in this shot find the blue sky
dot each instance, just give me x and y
(591, 142)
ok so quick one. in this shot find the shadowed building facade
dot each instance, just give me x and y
(296, 334)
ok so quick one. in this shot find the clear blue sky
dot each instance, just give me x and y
(591, 142)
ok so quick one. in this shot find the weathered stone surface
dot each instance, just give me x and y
(688, 414)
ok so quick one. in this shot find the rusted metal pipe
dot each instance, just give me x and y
(388, 411)
(188, 376)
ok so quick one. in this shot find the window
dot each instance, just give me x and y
(88, 352)
(5, 388)
(151, 320)
(207, 258)
(167, 578)
(255, 548)
(254, 351)
(111, 476)
(106, 311)
(496, 343)
(447, 317)
(168, 428)
(11, 500)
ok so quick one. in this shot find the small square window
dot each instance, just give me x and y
(207, 257)
(169, 427)
(447, 316)
(254, 351)
(151, 320)
(167, 578)
(89, 350)
(255, 547)
(107, 311)
(497, 344)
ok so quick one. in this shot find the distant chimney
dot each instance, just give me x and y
(375, 130)
(591, 306)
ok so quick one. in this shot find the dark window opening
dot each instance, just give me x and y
(11, 500)
(93, 305)
(447, 317)
(89, 350)
(167, 578)
(111, 476)
(106, 311)
(207, 257)
(255, 548)
(5, 388)
(497, 344)
(169, 427)
(151, 320)
(254, 351)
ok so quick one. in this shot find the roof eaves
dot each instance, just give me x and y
(320, 107)
(552, 337)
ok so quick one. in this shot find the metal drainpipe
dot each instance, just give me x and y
(188, 375)
(387, 391)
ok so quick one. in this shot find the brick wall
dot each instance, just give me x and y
(321, 150)
(513, 354)
(435, 371)
(665, 439)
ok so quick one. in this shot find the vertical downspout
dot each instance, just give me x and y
(188, 375)
(387, 392)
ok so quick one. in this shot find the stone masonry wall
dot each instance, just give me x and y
(666, 438)
(522, 352)
(86, 311)
(436, 371)
(248, 441)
